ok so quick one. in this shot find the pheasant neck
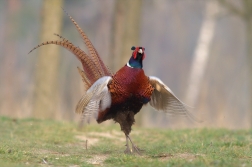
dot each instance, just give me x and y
(135, 63)
(129, 65)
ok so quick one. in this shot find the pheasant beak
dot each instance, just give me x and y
(138, 50)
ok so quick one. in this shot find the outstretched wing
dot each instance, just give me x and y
(163, 99)
(97, 98)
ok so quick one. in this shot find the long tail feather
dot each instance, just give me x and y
(103, 70)
(61, 37)
(93, 66)
(85, 80)
(88, 65)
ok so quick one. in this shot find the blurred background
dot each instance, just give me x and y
(202, 49)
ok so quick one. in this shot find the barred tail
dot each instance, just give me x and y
(103, 70)
(90, 73)
(93, 66)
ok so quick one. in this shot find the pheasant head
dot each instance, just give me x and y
(136, 60)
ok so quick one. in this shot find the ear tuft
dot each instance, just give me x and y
(133, 48)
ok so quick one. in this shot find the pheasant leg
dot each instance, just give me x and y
(134, 148)
(127, 151)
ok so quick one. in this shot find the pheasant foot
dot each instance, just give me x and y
(134, 148)
(127, 150)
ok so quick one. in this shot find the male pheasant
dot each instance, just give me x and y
(122, 95)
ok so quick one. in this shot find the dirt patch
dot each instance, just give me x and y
(186, 156)
(163, 156)
(109, 135)
(90, 140)
(97, 160)
(93, 137)
(47, 152)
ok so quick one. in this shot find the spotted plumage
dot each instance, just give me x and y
(121, 95)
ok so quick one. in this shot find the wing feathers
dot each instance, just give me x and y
(163, 99)
(96, 99)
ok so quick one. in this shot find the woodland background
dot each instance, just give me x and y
(201, 49)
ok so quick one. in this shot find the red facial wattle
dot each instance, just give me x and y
(137, 50)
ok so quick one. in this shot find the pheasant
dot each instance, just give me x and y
(118, 96)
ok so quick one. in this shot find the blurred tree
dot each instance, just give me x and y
(201, 53)
(9, 61)
(46, 85)
(126, 33)
(245, 13)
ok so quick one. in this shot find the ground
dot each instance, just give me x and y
(32, 142)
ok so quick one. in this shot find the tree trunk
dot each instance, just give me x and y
(116, 34)
(9, 78)
(126, 33)
(46, 79)
(244, 13)
(249, 61)
(201, 54)
(247, 17)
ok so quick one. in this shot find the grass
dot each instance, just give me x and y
(33, 142)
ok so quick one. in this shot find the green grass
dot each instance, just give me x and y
(32, 142)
